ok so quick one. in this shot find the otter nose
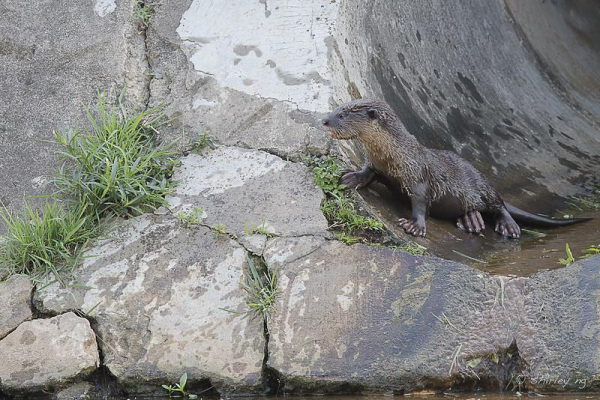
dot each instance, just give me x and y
(326, 122)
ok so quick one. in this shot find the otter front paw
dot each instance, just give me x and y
(471, 222)
(412, 226)
(508, 228)
(355, 180)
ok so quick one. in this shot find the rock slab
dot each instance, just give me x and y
(15, 295)
(163, 297)
(245, 189)
(352, 318)
(46, 353)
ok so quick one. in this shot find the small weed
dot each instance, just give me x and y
(262, 230)
(338, 208)
(191, 218)
(591, 251)
(341, 211)
(347, 239)
(261, 290)
(570, 259)
(46, 242)
(200, 143)
(117, 167)
(143, 13)
(590, 201)
(413, 248)
(327, 175)
(178, 389)
(219, 229)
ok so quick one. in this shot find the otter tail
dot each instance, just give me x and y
(537, 220)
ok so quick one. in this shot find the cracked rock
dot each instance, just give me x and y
(165, 298)
(245, 189)
(270, 113)
(361, 317)
(14, 303)
(46, 353)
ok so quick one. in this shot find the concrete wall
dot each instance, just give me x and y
(510, 87)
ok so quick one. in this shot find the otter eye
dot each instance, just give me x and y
(341, 116)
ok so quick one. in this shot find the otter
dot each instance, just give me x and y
(438, 182)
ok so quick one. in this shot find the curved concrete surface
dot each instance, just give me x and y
(512, 87)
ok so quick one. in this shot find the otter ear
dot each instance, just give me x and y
(372, 113)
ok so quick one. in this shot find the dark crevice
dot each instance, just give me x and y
(149, 73)
(105, 383)
(503, 370)
(273, 383)
(271, 379)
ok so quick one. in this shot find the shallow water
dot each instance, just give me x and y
(420, 396)
(536, 250)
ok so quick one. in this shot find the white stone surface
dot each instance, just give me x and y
(269, 48)
(44, 353)
(164, 305)
(246, 189)
(223, 169)
(105, 7)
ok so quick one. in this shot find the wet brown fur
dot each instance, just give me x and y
(397, 154)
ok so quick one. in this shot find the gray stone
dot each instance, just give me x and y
(244, 189)
(46, 353)
(50, 72)
(362, 318)
(79, 391)
(162, 296)
(211, 94)
(15, 295)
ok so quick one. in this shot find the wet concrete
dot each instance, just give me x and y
(512, 87)
(464, 77)
(536, 250)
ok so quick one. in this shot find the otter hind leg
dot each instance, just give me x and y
(471, 222)
(506, 225)
(358, 179)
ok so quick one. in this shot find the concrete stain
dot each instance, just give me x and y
(244, 50)
(470, 86)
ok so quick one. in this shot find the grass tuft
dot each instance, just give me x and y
(191, 218)
(261, 289)
(588, 202)
(347, 239)
(261, 230)
(338, 208)
(46, 242)
(143, 13)
(117, 167)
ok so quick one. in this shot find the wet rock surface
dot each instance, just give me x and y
(361, 318)
(15, 295)
(47, 353)
(79, 391)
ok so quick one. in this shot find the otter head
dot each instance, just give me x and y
(353, 119)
